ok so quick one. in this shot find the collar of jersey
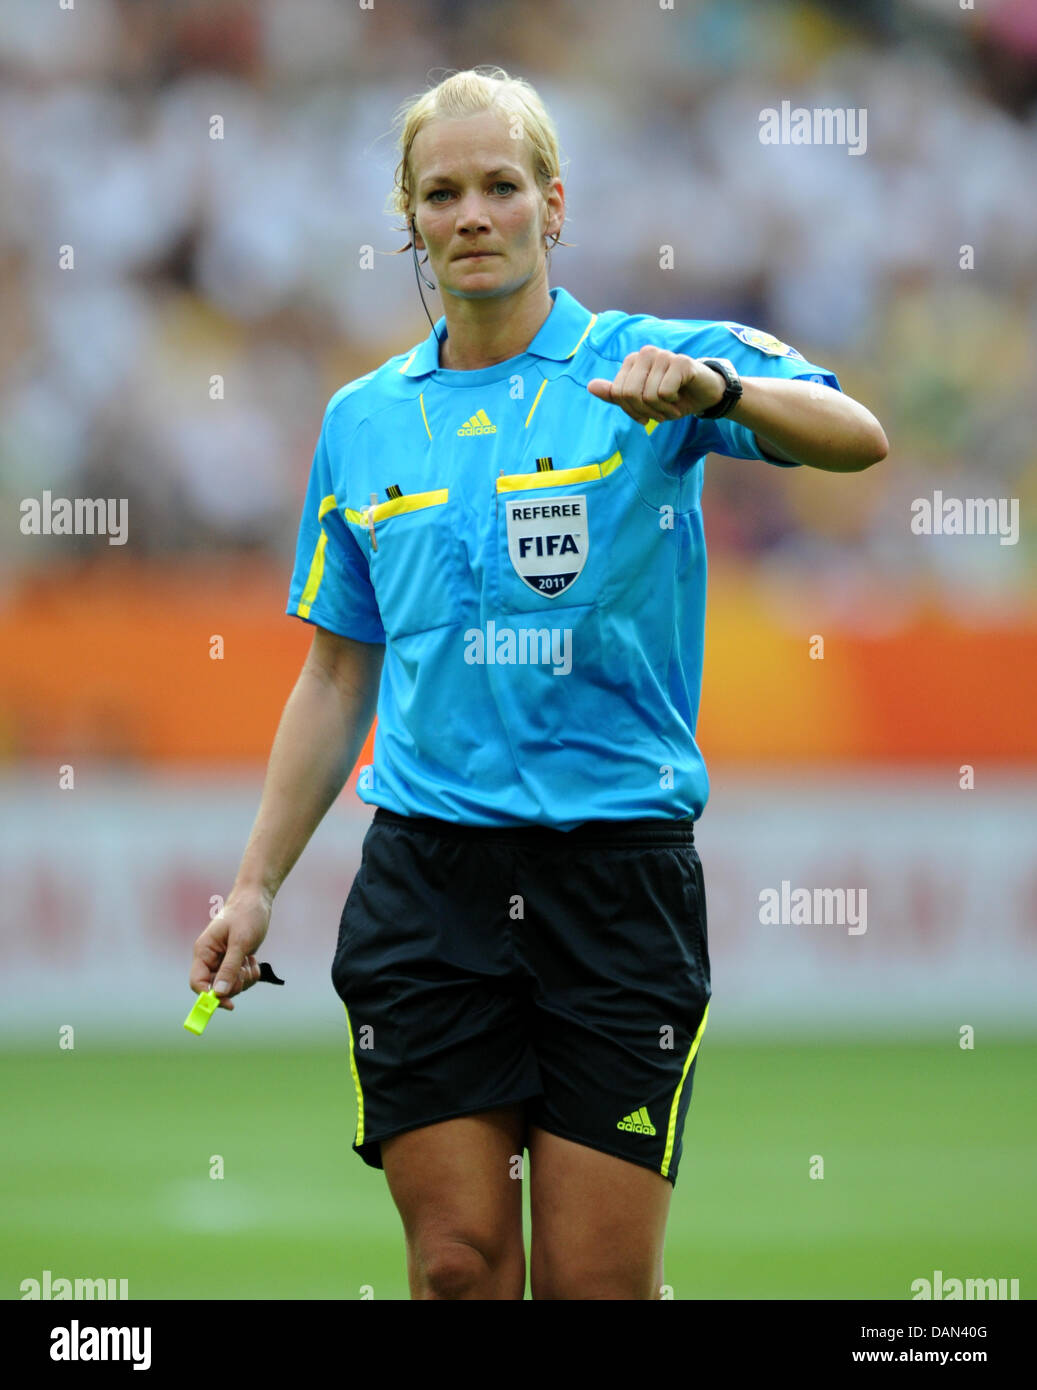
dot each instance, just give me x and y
(558, 337)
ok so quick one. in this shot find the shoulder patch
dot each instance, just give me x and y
(766, 342)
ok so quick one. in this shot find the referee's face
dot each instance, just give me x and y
(475, 191)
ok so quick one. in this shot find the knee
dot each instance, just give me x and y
(453, 1269)
(600, 1281)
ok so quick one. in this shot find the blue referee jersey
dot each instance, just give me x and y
(534, 561)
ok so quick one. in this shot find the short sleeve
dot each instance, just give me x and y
(753, 353)
(331, 583)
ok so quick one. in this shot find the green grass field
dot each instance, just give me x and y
(928, 1164)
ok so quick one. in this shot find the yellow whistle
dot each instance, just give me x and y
(205, 1006)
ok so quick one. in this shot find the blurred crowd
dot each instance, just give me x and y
(241, 258)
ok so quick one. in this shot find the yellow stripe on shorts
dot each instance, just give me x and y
(356, 1083)
(671, 1129)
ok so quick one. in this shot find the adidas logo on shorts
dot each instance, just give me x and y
(637, 1122)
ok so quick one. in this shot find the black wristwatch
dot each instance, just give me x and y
(732, 388)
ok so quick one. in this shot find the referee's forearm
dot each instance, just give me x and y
(811, 423)
(318, 741)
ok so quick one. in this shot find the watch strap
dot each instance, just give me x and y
(732, 388)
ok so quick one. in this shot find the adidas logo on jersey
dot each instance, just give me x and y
(637, 1122)
(478, 424)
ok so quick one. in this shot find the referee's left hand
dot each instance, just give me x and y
(225, 951)
(655, 384)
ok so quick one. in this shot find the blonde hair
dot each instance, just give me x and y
(470, 93)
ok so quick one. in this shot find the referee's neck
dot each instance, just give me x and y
(483, 332)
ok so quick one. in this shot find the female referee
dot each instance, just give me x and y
(502, 554)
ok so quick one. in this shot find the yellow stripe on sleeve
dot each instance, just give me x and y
(316, 573)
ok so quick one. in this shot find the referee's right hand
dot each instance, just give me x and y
(224, 954)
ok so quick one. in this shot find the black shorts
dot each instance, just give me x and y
(569, 970)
